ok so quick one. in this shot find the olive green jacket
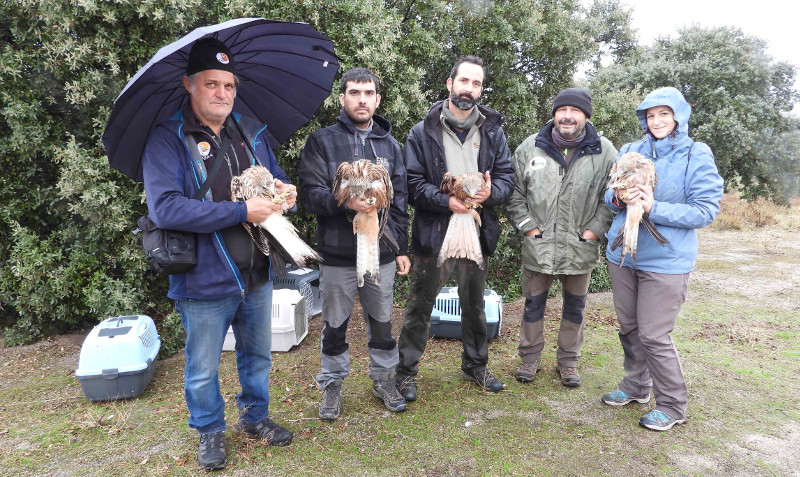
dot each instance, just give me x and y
(562, 201)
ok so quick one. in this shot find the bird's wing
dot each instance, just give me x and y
(448, 183)
(340, 180)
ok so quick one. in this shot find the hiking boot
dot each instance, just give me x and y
(569, 376)
(659, 421)
(619, 398)
(211, 451)
(527, 370)
(266, 431)
(387, 392)
(407, 387)
(484, 378)
(330, 408)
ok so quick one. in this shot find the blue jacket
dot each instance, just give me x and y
(686, 196)
(171, 178)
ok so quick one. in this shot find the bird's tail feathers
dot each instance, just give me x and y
(461, 240)
(298, 252)
(651, 228)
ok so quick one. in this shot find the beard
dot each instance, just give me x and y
(562, 127)
(463, 101)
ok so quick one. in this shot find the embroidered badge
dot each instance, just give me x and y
(223, 58)
(538, 163)
(382, 161)
(204, 148)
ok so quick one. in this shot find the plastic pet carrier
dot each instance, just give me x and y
(446, 314)
(118, 358)
(289, 321)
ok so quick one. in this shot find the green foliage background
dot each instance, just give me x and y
(67, 255)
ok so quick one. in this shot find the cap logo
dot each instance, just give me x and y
(223, 58)
(204, 148)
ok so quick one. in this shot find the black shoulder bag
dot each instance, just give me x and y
(172, 252)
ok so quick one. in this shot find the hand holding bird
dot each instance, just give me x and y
(366, 188)
(272, 233)
(461, 239)
(633, 179)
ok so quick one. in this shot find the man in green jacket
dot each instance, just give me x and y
(557, 203)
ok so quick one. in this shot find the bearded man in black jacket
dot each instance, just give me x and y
(456, 136)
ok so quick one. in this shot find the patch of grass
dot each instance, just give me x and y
(739, 351)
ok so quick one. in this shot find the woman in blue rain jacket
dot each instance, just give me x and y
(649, 291)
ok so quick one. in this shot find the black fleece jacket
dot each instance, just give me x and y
(325, 149)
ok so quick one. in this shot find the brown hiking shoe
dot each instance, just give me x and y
(527, 370)
(569, 376)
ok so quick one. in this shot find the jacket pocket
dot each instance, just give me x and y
(584, 254)
(537, 252)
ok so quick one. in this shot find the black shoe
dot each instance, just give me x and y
(211, 451)
(266, 431)
(330, 408)
(484, 378)
(407, 387)
(387, 392)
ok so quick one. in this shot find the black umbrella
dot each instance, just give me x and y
(286, 71)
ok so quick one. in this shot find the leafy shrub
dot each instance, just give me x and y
(740, 214)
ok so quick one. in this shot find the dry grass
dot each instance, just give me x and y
(740, 214)
(738, 334)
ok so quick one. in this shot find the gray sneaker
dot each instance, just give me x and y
(331, 406)
(527, 370)
(211, 451)
(569, 376)
(388, 393)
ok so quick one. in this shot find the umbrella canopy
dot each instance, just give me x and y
(285, 70)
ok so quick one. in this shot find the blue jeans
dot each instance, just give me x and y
(206, 323)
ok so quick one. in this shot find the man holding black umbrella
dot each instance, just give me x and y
(230, 286)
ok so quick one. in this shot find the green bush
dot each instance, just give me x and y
(68, 258)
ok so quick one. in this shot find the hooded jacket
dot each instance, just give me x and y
(324, 151)
(426, 166)
(562, 201)
(171, 177)
(686, 195)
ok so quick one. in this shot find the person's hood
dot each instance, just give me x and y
(381, 127)
(671, 97)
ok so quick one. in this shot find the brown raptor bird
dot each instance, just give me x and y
(276, 234)
(461, 239)
(629, 171)
(372, 183)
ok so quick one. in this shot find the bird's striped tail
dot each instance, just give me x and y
(286, 235)
(368, 254)
(461, 240)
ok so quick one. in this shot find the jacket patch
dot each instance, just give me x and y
(538, 162)
(204, 148)
(382, 161)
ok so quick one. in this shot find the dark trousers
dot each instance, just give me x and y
(426, 282)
